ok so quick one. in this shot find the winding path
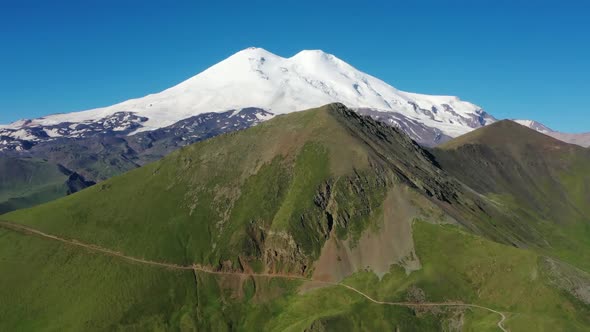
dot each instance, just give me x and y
(199, 268)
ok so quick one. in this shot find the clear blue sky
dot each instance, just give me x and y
(517, 59)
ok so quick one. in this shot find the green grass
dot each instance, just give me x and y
(457, 266)
(53, 286)
(215, 201)
(338, 309)
(47, 286)
(266, 199)
(208, 202)
(28, 182)
(359, 208)
(542, 184)
(311, 168)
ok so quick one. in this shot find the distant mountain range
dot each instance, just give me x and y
(582, 139)
(241, 91)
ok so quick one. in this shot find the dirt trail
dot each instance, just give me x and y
(195, 267)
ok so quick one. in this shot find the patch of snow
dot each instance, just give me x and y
(22, 134)
(265, 116)
(53, 132)
(535, 125)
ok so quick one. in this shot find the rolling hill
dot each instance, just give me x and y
(532, 175)
(315, 220)
(26, 182)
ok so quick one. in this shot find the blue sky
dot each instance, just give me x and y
(517, 59)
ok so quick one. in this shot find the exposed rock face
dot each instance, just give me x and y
(423, 134)
(99, 150)
(76, 182)
(388, 242)
(568, 278)
(157, 143)
(419, 132)
(29, 134)
(25, 182)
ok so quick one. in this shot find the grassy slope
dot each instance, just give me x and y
(52, 287)
(27, 182)
(214, 194)
(457, 266)
(96, 159)
(543, 181)
(56, 287)
(253, 195)
(269, 196)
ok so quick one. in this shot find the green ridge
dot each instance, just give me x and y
(269, 198)
(27, 182)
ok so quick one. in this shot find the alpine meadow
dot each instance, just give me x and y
(302, 166)
(331, 220)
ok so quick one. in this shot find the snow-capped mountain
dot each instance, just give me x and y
(582, 139)
(534, 125)
(259, 79)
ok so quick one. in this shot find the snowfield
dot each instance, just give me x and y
(255, 77)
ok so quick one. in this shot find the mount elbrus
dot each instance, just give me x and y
(255, 78)
(246, 89)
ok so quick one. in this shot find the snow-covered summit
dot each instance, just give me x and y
(257, 78)
(535, 125)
